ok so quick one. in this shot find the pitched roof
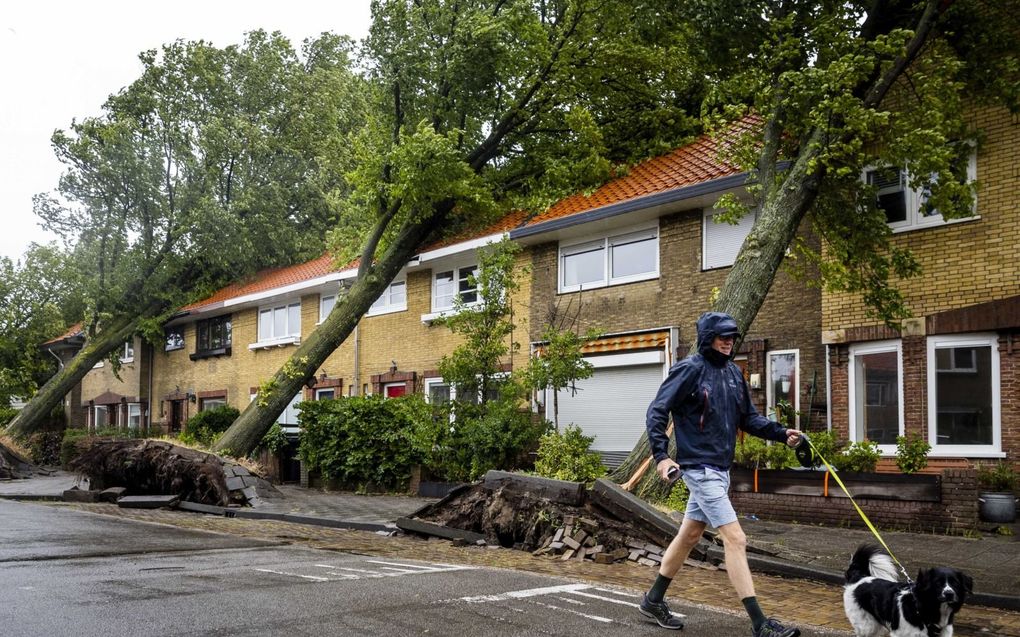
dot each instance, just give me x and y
(273, 278)
(71, 332)
(694, 163)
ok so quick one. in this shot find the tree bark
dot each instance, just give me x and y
(52, 393)
(245, 435)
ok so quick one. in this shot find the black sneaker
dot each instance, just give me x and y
(659, 611)
(772, 628)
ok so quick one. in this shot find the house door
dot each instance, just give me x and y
(395, 389)
(176, 416)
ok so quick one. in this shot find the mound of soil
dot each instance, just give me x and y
(525, 522)
(13, 465)
(154, 467)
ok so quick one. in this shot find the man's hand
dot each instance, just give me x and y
(792, 437)
(663, 468)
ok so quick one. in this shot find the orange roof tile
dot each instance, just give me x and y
(691, 164)
(74, 330)
(623, 343)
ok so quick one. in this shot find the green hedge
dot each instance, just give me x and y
(206, 426)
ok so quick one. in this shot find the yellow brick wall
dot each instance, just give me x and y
(962, 263)
(131, 383)
(399, 336)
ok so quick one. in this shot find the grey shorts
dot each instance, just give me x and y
(709, 499)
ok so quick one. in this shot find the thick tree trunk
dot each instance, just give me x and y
(247, 432)
(52, 393)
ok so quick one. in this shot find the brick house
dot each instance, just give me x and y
(638, 260)
(950, 374)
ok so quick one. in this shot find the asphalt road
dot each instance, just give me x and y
(65, 572)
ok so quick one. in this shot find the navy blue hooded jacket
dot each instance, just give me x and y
(709, 399)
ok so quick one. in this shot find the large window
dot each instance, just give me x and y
(447, 285)
(134, 415)
(326, 304)
(213, 337)
(212, 403)
(783, 381)
(101, 417)
(721, 241)
(907, 208)
(963, 395)
(393, 299)
(876, 409)
(437, 391)
(609, 260)
(280, 323)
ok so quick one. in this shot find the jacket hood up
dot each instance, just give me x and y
(712, 324)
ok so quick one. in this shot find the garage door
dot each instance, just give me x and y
(611, 406)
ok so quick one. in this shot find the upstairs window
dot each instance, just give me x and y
(213, 337)
(127, 353)
(447, 285)
(393, 299)
(907, 208)
(280, 322)
(174, 339)
(609, 260)
(721, 241)
(326, 304)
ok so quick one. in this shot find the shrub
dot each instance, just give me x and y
(751, 453)
(7, 414)
(500, 437)
(365, 439)
(44, 447)
(861, 456)
(911, 453)
(998, 477)
(206, 426)
(566, 456)
(69, 444)
(779, 455)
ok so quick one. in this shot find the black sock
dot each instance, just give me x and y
(754, 611)
(658, 590)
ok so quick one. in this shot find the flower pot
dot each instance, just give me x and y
(997, 507)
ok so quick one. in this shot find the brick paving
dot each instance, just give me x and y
(796, 601)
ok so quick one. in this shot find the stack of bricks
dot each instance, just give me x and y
(577, 539)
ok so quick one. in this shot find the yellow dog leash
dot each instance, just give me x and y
(860, 511)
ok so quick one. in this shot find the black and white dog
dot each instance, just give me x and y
(875, 601)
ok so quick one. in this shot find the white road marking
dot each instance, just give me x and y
(387, 569)
(606, 599)
(528, 592)
(571, 601)
(598, 618)
(311, 577)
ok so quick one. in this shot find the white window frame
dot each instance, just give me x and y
(436, 380)
(291, 407)
(915, 198)
(385, 303)
(457, 275)
(323, 312)
(127, 354)
(716, 256)
(134, 412)
(994, 450)
(95, 416)
(219, 399)
(769, 397)
(622, 236)
(322, 390)
(863, 349)
(275, 340)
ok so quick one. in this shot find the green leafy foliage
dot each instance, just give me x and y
(1000, 476)
(861, 456)
(567, 456)
(206, 426)
(752, 452)
(911, 453)
(364, 440)
(275, 439)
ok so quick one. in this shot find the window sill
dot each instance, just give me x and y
(279, 342)
(927, 226)
(388, 310)
(211, 353)
(427, 319)
(613, 283)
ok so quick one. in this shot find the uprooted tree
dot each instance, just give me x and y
(841, 88)
(214, 163)
(484, 106)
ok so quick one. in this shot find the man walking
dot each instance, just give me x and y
(709, 400)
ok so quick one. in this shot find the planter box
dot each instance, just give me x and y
(877, 486)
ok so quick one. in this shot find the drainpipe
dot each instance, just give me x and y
(148, 398)
(356, 388)
(828, 392)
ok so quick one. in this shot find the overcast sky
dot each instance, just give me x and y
(59, 60)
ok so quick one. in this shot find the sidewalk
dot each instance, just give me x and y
(791, 550)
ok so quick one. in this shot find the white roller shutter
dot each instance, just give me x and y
(611, 405)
